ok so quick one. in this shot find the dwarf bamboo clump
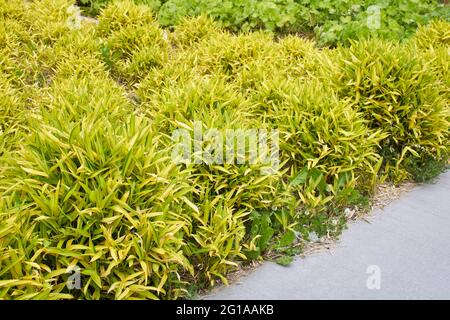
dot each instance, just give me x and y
(90, 187)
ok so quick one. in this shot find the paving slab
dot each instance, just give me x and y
(401, 252)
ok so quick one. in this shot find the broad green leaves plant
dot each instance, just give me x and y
(332, 21)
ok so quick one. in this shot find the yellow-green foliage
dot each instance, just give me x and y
(437, 33)
(87, 110)
(321, 132)
(13, 9)
(47, 19)
(11, 116)
(191, 31)
(132, 41)
(225, 194)
(104, 196)
(434, 40)
(400, 92)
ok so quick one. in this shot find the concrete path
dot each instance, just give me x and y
(403, 253)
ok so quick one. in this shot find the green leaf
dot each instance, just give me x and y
(284, 260)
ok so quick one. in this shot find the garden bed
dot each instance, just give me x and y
(88, 111)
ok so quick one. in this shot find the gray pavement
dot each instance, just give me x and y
(402, 253)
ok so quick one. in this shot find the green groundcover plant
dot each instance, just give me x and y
(88, 183)
(330, 21)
